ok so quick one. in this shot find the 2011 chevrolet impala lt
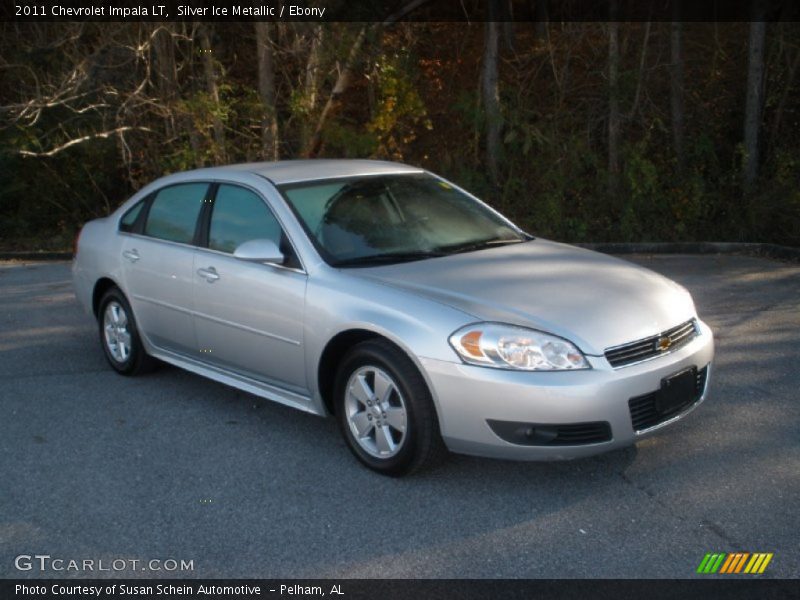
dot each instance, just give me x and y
(389, 297)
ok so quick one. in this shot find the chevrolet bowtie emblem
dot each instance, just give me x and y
(663, 343)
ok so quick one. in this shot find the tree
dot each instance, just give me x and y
(755, 95)
(676, 88)
(490, 92)
(640, 79)
(266, 90)
(165, 73)
(311, 80)
(613, 102)
(792, 67)
(541, 18)
(212, 87)
(314, 143)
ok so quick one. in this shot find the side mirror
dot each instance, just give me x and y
(263, 251)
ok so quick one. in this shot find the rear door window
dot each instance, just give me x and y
(174, 211)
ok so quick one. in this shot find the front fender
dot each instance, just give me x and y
(337, 303)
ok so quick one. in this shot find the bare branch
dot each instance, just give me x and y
(80, 140)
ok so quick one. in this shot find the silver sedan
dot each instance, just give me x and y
(384, 295)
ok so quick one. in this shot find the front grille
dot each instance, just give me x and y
(533, 434)
(644, 413)
(635, 352)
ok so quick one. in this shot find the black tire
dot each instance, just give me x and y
(421, 446)
(136, 361)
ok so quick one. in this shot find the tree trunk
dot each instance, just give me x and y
(641, 75)
(342, 81)
(311, 84)
(212, 88)
(507, 14)
(165, 73)
(755, 98)
(613, 104)
(776, 124)
(491, 99)
(676, 89)
(540, 15)
(266, 90)
(188, 31)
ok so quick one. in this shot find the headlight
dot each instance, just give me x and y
(509, 347)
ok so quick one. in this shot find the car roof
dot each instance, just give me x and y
(293, 171)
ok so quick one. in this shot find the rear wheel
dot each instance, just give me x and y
(120, 337)
(385, 410)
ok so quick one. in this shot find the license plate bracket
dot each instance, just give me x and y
(677, 391)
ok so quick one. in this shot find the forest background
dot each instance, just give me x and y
(577, 131)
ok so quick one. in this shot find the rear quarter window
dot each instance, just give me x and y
(128, 220)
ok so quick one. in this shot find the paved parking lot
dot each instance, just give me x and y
(172, 466)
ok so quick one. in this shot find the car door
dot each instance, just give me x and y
(158, 266)
(249, 316)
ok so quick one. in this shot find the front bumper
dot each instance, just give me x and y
(468, 397)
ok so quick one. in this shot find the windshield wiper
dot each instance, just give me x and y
(388, 258)
(478, 245)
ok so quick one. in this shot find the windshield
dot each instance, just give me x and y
(394, 218)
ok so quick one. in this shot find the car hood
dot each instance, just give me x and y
(594, 300)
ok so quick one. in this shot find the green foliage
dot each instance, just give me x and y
(400, 110)
(348, 142)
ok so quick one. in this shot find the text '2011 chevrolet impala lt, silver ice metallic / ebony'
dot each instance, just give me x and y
(396, 301)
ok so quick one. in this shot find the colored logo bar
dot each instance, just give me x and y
(735, 562)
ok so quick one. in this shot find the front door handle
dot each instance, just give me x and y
(210, 274)
(131, 255)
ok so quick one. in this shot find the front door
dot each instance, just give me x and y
(249, 316)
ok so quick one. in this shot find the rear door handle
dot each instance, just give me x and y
(210, 274)
(131, 255)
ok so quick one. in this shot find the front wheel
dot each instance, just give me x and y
(385, 410)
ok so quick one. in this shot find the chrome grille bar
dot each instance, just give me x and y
(651, 347)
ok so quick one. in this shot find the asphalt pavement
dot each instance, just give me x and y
(171, 466)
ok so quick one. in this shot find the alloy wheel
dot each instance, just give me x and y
(117, 334)
(376, 412)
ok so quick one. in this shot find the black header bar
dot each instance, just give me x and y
(727, 588)
(400, 10)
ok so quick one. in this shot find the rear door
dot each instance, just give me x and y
(158, 261)
(249, 316)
